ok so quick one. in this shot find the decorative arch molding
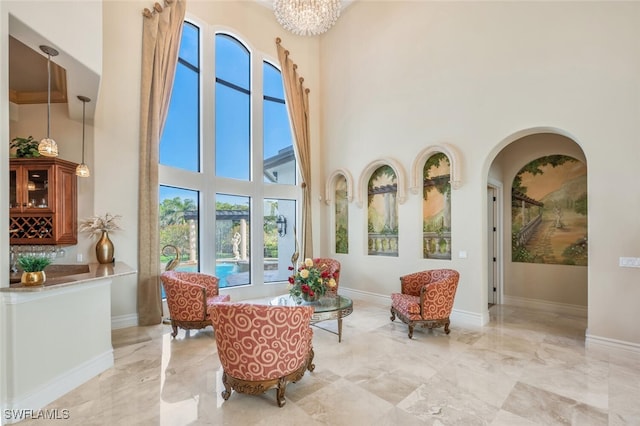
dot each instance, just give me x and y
(372, 167)
(454, 159)
(331, 183)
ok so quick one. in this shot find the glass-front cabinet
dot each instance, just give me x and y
(42, 201)
(29, 188)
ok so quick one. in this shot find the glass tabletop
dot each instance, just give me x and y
(325, 304)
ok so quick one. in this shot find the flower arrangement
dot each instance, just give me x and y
(310, 281)
(95, 225)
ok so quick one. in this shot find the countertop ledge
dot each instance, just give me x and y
(96, 271)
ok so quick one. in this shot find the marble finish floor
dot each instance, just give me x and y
(526, 367)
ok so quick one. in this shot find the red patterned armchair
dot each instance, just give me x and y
(188, 296)
(332, 266)
(426, 299)
(261, 347)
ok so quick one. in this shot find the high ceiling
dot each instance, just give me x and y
(28, 76)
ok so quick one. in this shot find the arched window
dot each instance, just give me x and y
(236, 174)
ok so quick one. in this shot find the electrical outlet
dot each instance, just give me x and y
(79, 257)
(630, 262)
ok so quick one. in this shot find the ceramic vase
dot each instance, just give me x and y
(104, 249)
(33, 278)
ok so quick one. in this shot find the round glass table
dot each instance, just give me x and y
(327, 308)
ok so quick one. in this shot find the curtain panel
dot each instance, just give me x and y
(162, 30)
(297, 97)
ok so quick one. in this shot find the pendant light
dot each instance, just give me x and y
(47, 146)
(82, 169)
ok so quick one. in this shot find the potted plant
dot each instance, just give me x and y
(25, 147)
(33, 269)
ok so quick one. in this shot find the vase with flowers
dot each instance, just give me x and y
(101, 226)
(309, 281)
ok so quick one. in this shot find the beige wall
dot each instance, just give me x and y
(400, 76)
(392, 78)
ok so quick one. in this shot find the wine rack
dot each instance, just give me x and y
(31, 227)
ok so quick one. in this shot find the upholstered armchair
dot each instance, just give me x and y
(188, 296)
(426, 299)
(261, 346)
(332, 266)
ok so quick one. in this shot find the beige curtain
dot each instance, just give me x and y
(162, 29)
(297, 98)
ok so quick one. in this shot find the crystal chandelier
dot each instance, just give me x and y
(47, 146)
(307, 17)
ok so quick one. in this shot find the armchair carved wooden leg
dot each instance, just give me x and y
(175, 329)
(393, 314)
(282, 385)
(310, 365)
(446, 326)
(226, 393)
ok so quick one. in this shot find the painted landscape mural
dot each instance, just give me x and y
(342, 216)
(382, 214)
(549, 212)
(436, 208)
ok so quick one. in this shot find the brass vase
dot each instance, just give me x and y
(104, 249)
(33, 278)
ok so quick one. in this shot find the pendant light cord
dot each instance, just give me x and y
(84, 104)
(49, 96)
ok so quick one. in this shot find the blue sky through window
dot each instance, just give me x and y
(180, 145)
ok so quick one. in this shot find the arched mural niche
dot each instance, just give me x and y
(339, 188)
(562, 287)
(383, 184)
(434, 172)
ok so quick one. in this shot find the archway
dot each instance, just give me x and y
(557, 285)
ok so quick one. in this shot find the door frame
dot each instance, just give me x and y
(495, 189)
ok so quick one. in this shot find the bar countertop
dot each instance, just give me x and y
(69, 275)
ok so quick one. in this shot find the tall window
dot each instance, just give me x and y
(180, 142)
(239, 172)
(232, 111)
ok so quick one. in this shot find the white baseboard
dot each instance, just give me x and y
(543, 305)
(470, 318)
(57, 387)
(594, 342)
(124, 321)
(367, 296)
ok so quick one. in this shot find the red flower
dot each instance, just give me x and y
(291, 279)
(291, 268)
(325, 274)
(311, 293)
(304, 288)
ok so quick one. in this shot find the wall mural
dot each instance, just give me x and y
(382, 212)
(436, 208)
(549, 212)
(341, 215)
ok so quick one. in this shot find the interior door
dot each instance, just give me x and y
(492, 258)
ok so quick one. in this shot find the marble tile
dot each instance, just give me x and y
(439, 401)
(526, 367)
(548, 408)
